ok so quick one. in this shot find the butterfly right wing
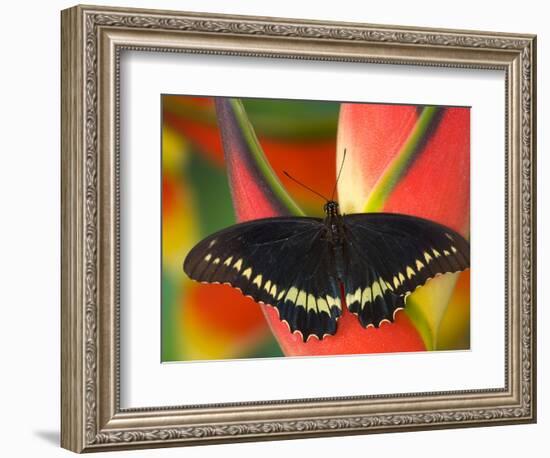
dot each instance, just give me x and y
(285, 262)
(389, 255)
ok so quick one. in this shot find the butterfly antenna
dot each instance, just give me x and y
(338, 177)
(303, 185)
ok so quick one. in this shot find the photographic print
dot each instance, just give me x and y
(305, 228)
(324, 229)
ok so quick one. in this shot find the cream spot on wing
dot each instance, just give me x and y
(292, 294)
(247, 273)
(376, 291)
(446, 253)
(322, 305)
(238, 265)
(410, 272)
(257, 281)
(311, 302)
(267, 286)
(355, 297)
(419, 264)
(301, 299)
(367, 297)
(273, 291)
(212, 243)
(453, 249)
(449, 236)
(436, 253)
(388, 286)
(401, 277)
(334, 302)
(427, 256)
(208, 257)
(396, 282)
(227, 262)
(281, 294)
(216, 261)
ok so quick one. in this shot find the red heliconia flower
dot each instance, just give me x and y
(256, 191)
(402, 159)
(399, 159)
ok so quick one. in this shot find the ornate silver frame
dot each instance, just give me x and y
(92, 40)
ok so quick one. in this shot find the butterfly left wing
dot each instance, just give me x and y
(285, 262)
(387, 256)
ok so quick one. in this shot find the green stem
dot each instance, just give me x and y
(400, 164)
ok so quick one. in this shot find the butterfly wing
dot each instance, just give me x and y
(387, 256)
(285, 262)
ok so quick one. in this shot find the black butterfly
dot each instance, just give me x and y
(297, 264)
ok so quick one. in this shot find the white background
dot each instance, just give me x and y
(145, 76)
(29, 190)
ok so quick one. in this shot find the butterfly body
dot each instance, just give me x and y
(335, 234)
(298, 264)
(334, 222)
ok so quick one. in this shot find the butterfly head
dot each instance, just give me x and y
(331, 208)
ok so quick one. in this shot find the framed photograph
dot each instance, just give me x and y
(277, 228)
(291, 263)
